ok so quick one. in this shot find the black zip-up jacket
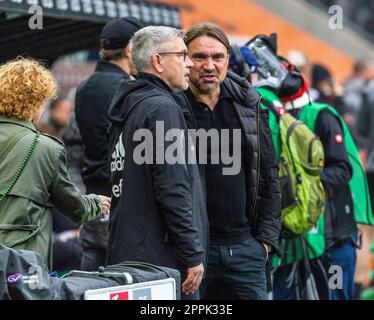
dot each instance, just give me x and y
(92, 102)
(337, 172)
(263, 190)
(158, 213)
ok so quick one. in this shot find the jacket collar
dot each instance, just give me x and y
(154, 80)
(241, 91)
(23, 123)
(224, 94)
(106, 66)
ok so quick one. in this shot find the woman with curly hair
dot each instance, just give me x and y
(33, 174)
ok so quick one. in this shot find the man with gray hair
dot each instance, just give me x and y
(158, 212)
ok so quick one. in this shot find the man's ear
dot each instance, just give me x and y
(126, 52)
(157, 63)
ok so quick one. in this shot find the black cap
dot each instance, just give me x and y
(117, 33)
(320, 73)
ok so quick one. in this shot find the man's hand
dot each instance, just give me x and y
(193, 279)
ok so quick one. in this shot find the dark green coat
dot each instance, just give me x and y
(26, 213)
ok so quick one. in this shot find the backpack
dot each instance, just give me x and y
(300, 165)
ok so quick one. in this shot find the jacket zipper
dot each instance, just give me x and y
(202, 172)
(254, 202)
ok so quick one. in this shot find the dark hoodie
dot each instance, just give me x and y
(158, 213)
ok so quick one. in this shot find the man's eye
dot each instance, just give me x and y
(198, 57)
(218, 58)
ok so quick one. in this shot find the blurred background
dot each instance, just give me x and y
(331, 41)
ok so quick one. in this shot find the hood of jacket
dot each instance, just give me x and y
(129, 94)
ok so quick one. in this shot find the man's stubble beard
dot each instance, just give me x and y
(202, 89)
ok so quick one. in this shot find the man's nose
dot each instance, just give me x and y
(209, 64)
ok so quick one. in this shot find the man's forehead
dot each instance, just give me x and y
(178, 43)
(206, 43)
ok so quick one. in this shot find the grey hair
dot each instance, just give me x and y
(150, 40)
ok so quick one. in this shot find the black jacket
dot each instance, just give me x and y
(158, 213)
(92, 101)
(263, 190)
(337, 172)
(335, 177)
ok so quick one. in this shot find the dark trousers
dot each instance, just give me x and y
(344, 256)
(93, 244)
(94, 234)
(92, 258)
(235, 272)
(193, 296)
(66, 255)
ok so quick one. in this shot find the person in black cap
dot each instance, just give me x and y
(324, 89)
(115, 37)
(93, 98)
